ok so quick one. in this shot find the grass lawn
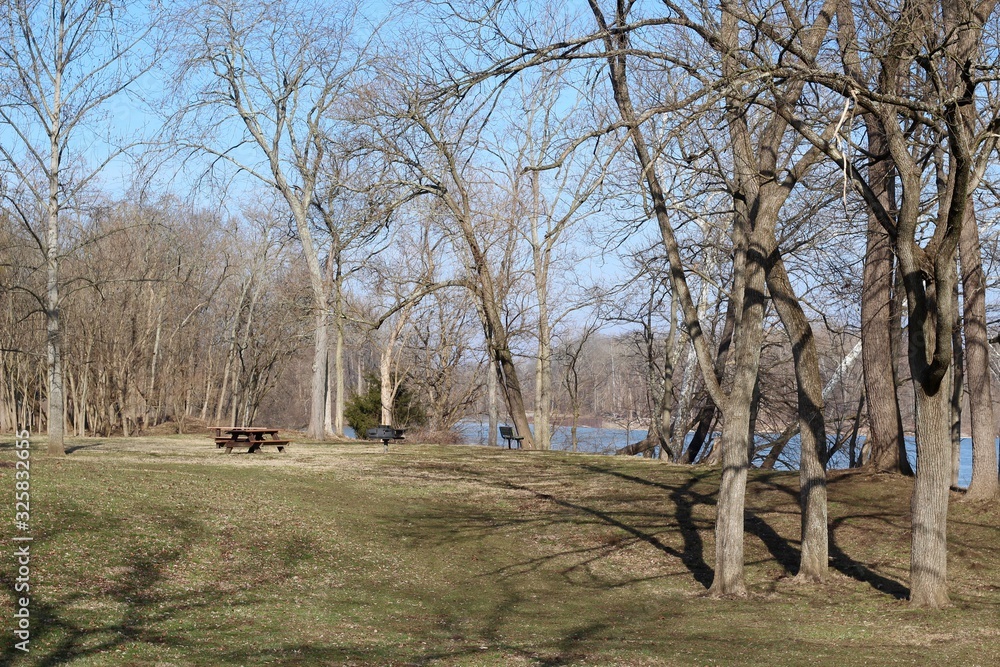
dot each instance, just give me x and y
(166, 551)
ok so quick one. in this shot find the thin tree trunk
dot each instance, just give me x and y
(339, 372)
(53, 318)
(957, 387)
(984, 484)
(151, 388)
(543, 369)
(231, 354)
(317, 403)
(886, 446)
(208, 384)
(706, 415)
(84, 390)
(493, 407)
(852, 461)
(812, 427)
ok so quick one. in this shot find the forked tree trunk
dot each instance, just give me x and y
(706, 414)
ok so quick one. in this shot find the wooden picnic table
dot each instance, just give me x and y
(252, 437)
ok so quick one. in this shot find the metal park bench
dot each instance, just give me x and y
(509, 434)
(385, 433)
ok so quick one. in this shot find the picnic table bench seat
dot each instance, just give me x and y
(229, 444)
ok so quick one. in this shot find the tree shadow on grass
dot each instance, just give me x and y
(789, 556)
(57, 638)
(455, 633)
(139, 604)
(475, 523)
(76, 448)
(685, 499)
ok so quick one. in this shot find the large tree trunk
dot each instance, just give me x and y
(929, 504)
(984, 483)
(812, 427)
(511, 388)
(497, 344)
(728, 579)
(317, 403)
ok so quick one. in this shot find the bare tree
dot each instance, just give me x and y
(277, 70)
(431, 149)
(551, 196)
(934, 49)
(61, 70)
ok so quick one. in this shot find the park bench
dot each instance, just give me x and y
(509, 434)
(385, 433)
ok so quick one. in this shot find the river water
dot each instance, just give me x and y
(608, 440)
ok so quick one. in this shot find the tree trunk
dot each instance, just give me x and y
(728, 579)
(929, 504)
(706, 415)
(543, 382)
(984, 484)
(956, 386)
(508, 382)
(543, 365)
(488, 307)
(53, 318)
(317, 404)
(339, 371)
(812, 427)
(386, 385)
(148, 413)
(664, 413)
(886, 447)
(493, 408)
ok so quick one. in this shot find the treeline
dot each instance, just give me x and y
(773, 218)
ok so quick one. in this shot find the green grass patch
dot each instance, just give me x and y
(167, 551)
